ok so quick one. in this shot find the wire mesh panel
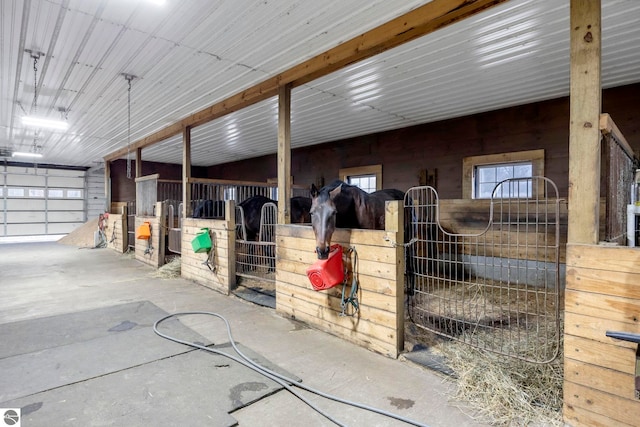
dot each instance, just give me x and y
(496, 289)
(256, 258)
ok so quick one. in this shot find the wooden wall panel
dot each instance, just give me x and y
(379, 324)
(156, 256)
(116, 230)
(603, 294)
(223, 242)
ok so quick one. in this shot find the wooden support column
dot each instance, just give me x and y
(186, 171)
(284, 154)
(138, 162)
(107, 185)
(584, 131)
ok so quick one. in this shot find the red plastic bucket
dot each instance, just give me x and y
(327, 273)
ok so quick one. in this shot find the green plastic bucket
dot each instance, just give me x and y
(202, 242)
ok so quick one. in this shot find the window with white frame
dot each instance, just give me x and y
(368, 178)
(486, 177)
(481, 174)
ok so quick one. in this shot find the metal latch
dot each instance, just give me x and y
(635, 338)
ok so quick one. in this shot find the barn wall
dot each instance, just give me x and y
(223, 242)
(603, 294)
(442, 146)
(379, 325)
(124, 189)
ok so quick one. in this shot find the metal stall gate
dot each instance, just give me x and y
(131, 226)
(498, 288)
(256, 258)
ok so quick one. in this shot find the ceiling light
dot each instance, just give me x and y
(45, 123)
(158, 2)
(25, 154)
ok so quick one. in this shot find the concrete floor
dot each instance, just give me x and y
(78, 349)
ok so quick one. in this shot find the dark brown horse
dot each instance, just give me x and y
(340, 205)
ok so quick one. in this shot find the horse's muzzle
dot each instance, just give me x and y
(322, 254)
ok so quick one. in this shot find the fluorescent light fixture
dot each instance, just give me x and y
(25, 154)
(45, 123)
(158, 2)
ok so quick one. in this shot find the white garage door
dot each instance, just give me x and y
(39, 204)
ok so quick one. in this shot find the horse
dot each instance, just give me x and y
(341, 205)
(252, 213)
(213, 209)
(252, 209)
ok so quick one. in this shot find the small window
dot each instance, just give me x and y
(480, 174)
(486, 177)
(368, 178)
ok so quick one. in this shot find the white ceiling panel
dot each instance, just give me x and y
(190, 54)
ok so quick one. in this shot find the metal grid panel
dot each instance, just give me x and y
(497, 290)
(257, 259)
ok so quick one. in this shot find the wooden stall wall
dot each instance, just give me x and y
(441, 146)
(223, 276)
(155, 256)
(116, 231)
(603, 294)
(380, 269)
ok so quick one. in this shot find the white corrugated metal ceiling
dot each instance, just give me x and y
(188, 55)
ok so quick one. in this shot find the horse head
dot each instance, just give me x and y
(323, 217)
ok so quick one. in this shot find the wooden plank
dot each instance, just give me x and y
(578, 417)
(284, 154)
(344, 236)
(609, 356)
(595, 328)
(608, 127)
(606, 380)
(288, 282)
(607, 258)
(186, 172)
(348, 328)
(619, 309)
(612, 283)
(619, 410)
(416, 23)
(584, 132)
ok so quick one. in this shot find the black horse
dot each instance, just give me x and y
(212, 209)
(252, 210)
(340, 205)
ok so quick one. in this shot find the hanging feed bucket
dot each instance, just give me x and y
(327, 273)
(202, 242)
(144, 231)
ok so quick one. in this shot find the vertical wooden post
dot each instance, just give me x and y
(138, 162)
(284, 154)
(394, 224)
(107, 185)
(186, 172)
(584, 131)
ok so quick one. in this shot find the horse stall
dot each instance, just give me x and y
(374, 258)
(153, 195)
(246, 233)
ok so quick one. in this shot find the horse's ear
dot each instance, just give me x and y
(313, 191)
(335, 192)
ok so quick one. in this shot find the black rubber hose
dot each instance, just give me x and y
(284, 381)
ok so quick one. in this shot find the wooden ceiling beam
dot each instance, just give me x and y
(414, 24)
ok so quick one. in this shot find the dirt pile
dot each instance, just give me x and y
(82, 236)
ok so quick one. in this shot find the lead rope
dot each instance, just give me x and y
(352, 299)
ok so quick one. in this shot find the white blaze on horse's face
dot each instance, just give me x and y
(323, 219)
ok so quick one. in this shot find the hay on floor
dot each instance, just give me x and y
(170, 270)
